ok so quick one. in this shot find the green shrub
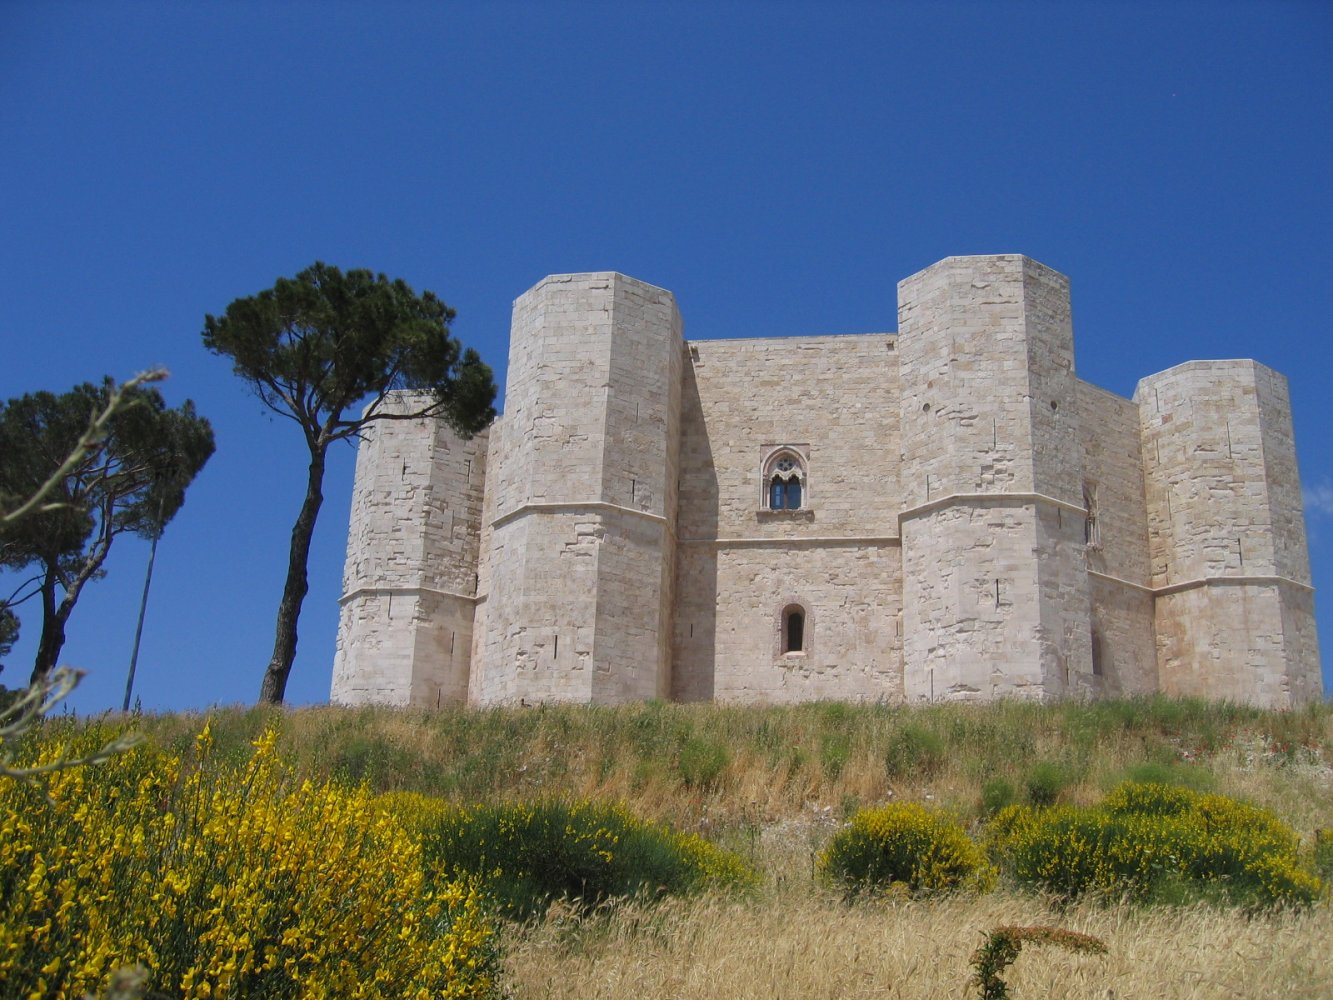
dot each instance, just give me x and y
(996, 794)
(371, 758)
(1045, 782)
(907, 844)
(1155, 842)
(914, 752)
(528, 854)
(654, 729)
(1132, 798)
(702, 762)
(833, 714)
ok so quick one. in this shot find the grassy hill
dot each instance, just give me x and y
(774, 783)
(731, 767)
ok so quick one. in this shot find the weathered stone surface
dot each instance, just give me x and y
(973, 521)
(1226, 537)
(995, 591)
(409, 585)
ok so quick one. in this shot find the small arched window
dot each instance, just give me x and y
(784, 477)
(793, 629)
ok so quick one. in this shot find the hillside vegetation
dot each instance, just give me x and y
(774, 784)
(721, 767)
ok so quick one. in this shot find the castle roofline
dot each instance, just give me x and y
(593, 275)
(1232, 364)
(787, 338)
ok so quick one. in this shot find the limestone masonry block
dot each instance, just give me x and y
(942, 513)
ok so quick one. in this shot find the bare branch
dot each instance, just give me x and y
(13, 600)
(433, 410)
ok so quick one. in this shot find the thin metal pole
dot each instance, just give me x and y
(138, 630)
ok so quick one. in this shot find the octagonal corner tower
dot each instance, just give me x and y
(1234, 615)
(409, 583)
(576, 592)
(995, 592)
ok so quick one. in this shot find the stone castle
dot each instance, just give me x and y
(944, 513)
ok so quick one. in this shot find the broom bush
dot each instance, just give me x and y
(221, 880)
(1155, 842)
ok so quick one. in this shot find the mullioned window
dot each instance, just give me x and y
(785, 481)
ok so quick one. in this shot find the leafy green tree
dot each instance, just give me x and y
(325, 349)
(21, 710)
(130, 476)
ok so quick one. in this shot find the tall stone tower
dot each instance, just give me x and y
(577, 593)
(1226, 535)
(409, 585)
(995, 591)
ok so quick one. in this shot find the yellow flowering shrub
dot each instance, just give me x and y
(904, 844)
(529, 853)
(224, 881)
(1155, 841)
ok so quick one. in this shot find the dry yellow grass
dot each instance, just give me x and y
(806, 944)
(797, 940)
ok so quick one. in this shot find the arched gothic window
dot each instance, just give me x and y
(784, 479)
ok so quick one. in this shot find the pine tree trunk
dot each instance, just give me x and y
(56, 615)
(293, 593)
(53, 630)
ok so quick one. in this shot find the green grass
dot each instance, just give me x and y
(723, 763)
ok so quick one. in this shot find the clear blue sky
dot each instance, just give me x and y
(779, 166)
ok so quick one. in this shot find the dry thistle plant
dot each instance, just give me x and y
(1003, 944)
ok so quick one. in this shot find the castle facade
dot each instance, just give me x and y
(942, 513)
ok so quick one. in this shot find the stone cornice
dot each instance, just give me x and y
(1003, 499)
(1143, 588)
(574, 506)
(1230, 581)
(359, 591)
(801, 540)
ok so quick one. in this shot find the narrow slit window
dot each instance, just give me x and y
(1092, 529)
(794, 631)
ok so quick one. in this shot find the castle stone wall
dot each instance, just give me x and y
(852, 598)
(832, 399)
(974, 522)
(1116, 531)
